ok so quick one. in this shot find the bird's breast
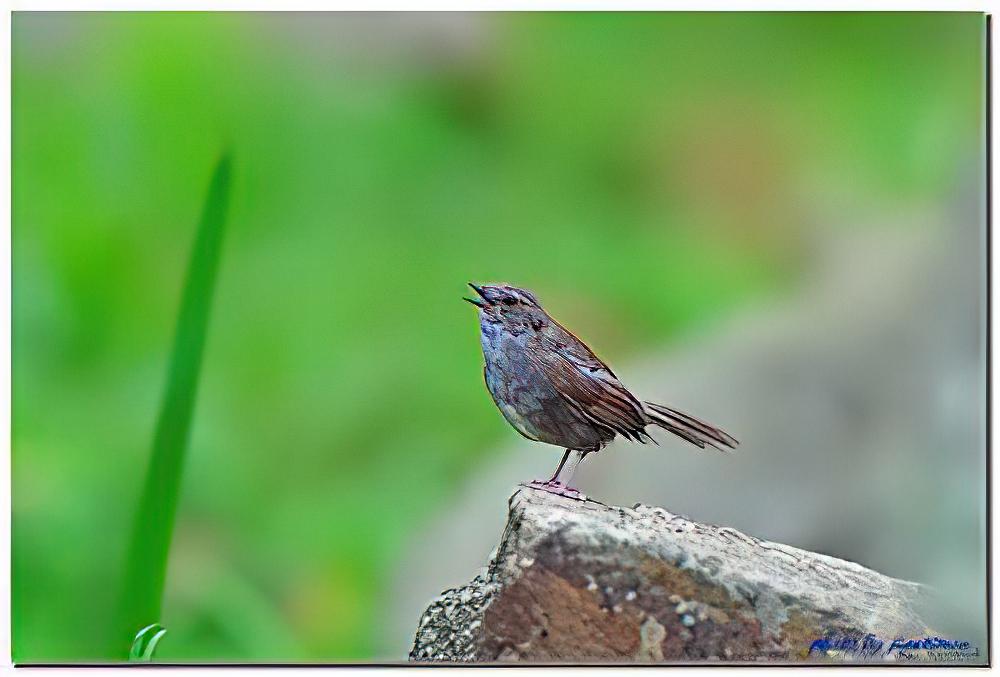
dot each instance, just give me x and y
(521, 392)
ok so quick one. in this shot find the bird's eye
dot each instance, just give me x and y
(508, 301)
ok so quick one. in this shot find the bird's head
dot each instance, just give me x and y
(517, 309)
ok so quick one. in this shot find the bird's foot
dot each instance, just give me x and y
(557, 488)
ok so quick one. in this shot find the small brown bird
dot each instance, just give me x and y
(552, 388)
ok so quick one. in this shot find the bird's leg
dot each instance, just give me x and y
(559, 482)
(555, 476)
(567, 467)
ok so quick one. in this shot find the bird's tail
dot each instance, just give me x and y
(695, 431)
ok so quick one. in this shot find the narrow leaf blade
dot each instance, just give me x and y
(154, 520)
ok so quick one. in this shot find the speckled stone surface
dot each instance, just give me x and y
(576, 581)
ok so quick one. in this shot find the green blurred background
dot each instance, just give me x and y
(645, 174)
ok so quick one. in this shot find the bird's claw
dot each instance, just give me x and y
(557, 488)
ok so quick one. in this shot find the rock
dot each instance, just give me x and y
(579, 581)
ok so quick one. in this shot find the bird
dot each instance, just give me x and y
(552, 388)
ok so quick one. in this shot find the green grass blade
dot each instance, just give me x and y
(145, 643)
(148, 551)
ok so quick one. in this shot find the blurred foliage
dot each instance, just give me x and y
(643, 173)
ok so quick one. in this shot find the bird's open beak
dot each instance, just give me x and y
(476, 302)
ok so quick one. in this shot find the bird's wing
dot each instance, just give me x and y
(565, 342)
(590, 387)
